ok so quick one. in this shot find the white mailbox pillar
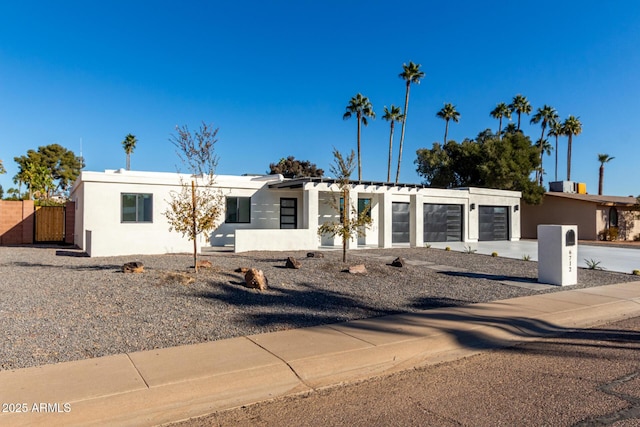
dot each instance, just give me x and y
(558, 254)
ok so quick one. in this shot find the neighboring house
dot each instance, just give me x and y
(596, 216)
(121, 213)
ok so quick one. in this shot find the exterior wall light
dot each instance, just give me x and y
(516, 208)
(472, 206)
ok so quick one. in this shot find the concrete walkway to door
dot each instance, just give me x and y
(623, 260)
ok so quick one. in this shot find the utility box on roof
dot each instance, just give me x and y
(558, 254)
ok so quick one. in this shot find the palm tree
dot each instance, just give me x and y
(602, 158)
(410, 74)
(362, 108)
(501, 110)
(545, 148)
(510, 128)
(556, 130)
(545, 115)
(392, 115)
(447, 113)
(520, 105)
(571, 127)
(129, 145)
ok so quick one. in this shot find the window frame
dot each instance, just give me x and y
(227, 220)
(139, 209)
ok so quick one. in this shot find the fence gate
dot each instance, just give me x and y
(49, 223)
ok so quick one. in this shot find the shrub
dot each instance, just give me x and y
(469, 250)
(593, 264)
(526, 257)
(447, 248)
(636, 272)
(494, 254)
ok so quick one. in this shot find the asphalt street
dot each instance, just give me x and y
(587, 377)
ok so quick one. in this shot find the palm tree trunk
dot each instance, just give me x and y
(404, 122)
(446, 131)
(390, 153)
(538, 173)
(359, 158)
(556, 172)
(128, 161)
(500, 128)
(569, 159)
(518, 121)
(601, 180)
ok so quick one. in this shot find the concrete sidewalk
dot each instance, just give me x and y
(164, 385)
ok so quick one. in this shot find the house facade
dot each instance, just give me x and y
(121, 212)
(596, 216)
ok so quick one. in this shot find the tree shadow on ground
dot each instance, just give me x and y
(306, 306)
(486, 276)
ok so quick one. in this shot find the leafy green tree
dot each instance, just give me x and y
(392, 115)
(62, 165)
(352, 224)
(501, 110)
(545, 116)
(488, 161)
(293, 168)
(197, 207)
(410, 74)
(448, 112)
(556, 130)
(571, 127)
(520, 105)
(602, 158)
(362, 108)
(2, 169)
(129, 144)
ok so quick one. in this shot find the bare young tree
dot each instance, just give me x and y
(197, 207)
(352, 224)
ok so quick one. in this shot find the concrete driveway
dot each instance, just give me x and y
(623, 260)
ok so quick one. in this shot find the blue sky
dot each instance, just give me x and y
(275, 77)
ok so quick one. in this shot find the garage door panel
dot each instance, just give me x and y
(493, 223)
(400, 218)
(442, 223)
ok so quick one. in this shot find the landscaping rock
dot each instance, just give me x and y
(292, 263)
(315, 255)
(205, 263)
(133, 267)
(256, 279)
(357, 269)
(398, 262)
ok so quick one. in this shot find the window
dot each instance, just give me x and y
(364, 204)
(238, 210)
(613, 217)
(136, 207)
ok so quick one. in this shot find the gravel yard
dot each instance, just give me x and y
(57, 305)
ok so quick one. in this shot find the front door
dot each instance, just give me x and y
(289, 213)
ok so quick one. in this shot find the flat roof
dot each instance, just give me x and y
(594, 198)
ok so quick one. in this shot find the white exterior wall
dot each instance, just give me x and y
(489, 197)
(100, 232)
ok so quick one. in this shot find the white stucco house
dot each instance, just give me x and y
(120, 212)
